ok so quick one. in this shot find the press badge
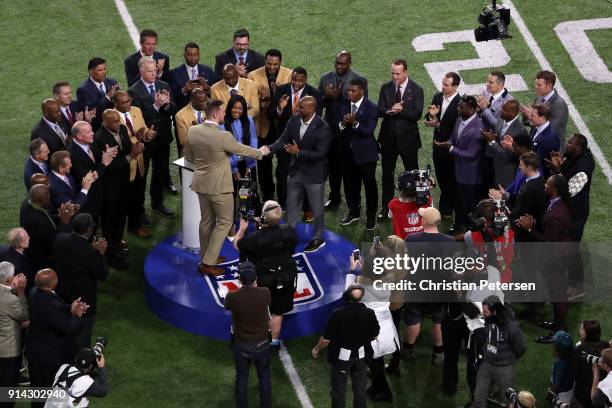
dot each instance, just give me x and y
(492, 349)
(344, 355)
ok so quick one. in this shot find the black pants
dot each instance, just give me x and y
(41, 375)
(264, 171)
(113, 216)
(244, 355)
(159, 158)
(136, 200)
(83, 340)
(380, 385)
(335, 170)
(466, 198)
(340, 372)
(455, 334)
(576, 265)
(410, 159)
(9, 375)
(282, 174)
(444, 167)
(354, 175)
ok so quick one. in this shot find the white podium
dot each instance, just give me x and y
(191, 208)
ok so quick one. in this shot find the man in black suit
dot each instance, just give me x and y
(306, 138)
(18, 242)
(543, 135)
(61, 184)
(154, 99)
(284, 106)
(48, 128)
(333, 85)
(37, 162)
(41, 226)
(85, 158)
(62, 93)
(185, 77)
(442, 116)
(148, 43)
(400, 104)
(79, 266)
(53, 328)
(245, 59)
(116, 183)
(95, 93)
(358, 152)
(504, 160)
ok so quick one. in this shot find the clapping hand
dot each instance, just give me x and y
(282, 102)
(78, 308)
(433, 110)
(396, 108)
(100, 245)
(507, 142)
(482, 102)
(555, 162)
(112, 90)
(66, 211)
(349, 119)
(136, 149)
(526, 222)
(18, 284)
(88, 180)
(488, 136)
(242, 70)
(497, 194)
(162, 97)
(160, 66)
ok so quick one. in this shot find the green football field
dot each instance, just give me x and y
(152, 364)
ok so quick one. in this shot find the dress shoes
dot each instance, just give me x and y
(547, 325)
(117, 262)
(142, 232)
(331, 205)
(308, 217)
(548, 339)
(382, 216)
(349, 219)
(574, 294)
(163, 211)
(314, 245)
(370, 222)
(171, 189)
(209, 270)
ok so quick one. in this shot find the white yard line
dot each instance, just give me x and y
(576, 117)
(128, 22)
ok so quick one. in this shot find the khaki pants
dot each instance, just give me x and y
(217, 212)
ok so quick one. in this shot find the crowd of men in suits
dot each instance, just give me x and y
(89, 160)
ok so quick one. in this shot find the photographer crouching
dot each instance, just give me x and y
(271, 249)
(77, 379)
(601, 391)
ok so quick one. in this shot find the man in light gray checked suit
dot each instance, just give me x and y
(492, 99)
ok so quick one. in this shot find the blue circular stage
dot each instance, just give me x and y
(183, 297)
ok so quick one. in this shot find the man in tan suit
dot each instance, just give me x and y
(232, 83)
(13, 312)
(131, 117)
(208, 149)
(190, 115)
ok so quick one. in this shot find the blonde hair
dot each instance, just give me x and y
(526, 399)
(273, 212)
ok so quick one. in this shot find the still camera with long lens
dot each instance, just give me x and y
(247, 199)
(98, 346)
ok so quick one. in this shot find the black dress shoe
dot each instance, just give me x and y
(314, 245)
(331, 205)
(547, 325)
(171, 189)
(548, 339)
(370, 222)
(163, 211)
(383, 396)
(117, 262)
(349, 219)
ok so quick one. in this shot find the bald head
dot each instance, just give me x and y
(46, 279)
(510, 110)
(111, 120)
(51, 110)
(307, 107)
(39, 194)
(230, 75)
(122, 101)
(39, 178)
(18, 238)
(343, 62)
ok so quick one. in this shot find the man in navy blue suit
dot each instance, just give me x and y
(62, 187)
(62, 93)
(148, 43)
(185, 77)
(245, 59)
(545, 138)
(37, 162)
(358, 152)
(48, 127)
(97, 90)
(466, 147)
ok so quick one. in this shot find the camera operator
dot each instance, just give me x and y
(78, 382)
(491, 236)
(590, 344)
(503, 346)
(271, 249)
(601, 391)
(404, 209)
(522, 399)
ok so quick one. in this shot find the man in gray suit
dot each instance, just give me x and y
(13, 312)
(306, 138)
(546, 93)
(504, 160)
(333, 85)
(492, 99)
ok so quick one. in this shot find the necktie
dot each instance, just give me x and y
(503, 130)
(199, 117)
(490, 100)
(398, 94)
(240, 60)
(296, 101)
(44, 168)
(152, 91)
(101, 88)
(233, 92)
(461, 127)
(69, 116)
(67, 182)
(90, 154)
(542, 99)
(353, 108)
(194, 74)
(129, 125)
(60, 133)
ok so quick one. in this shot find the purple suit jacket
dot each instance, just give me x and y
(467, 151)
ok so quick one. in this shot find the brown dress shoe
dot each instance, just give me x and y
(142, 232)
(209, 270)
(308, 216)
(220, 260)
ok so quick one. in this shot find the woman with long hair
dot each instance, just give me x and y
(241, 125)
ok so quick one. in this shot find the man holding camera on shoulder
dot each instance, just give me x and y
(601, 391)
(271, 249)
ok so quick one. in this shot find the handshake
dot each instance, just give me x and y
(265, 150)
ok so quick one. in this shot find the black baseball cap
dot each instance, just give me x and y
(85, 359)
(247, 272)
